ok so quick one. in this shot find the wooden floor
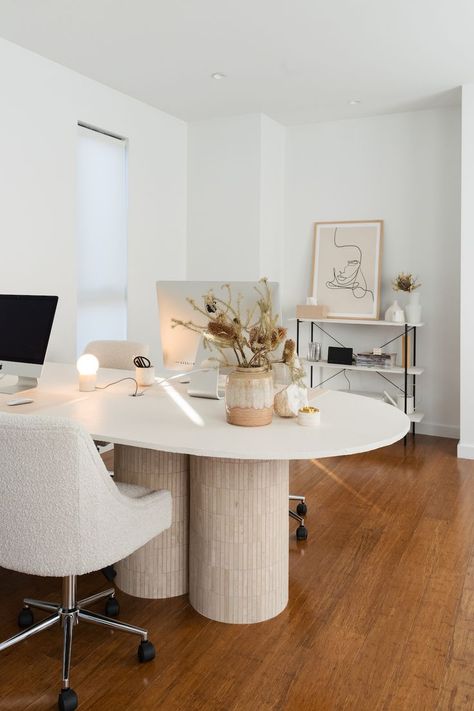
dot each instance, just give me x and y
(381, 612)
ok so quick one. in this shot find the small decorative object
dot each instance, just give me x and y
(309, 416)
(413, 308)
(395, 313)
(408, 283)
(288, 401)
(250, 338)
(342, 356)
(314, 351)
(313, 311)
(87, 366)
(405, 282)
(144, 371)
(145, 376)
(410, 404)
(281, 375)
(346, 268)
(376, 360)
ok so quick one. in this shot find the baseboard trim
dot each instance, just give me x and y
(465, 451)
(438, 430)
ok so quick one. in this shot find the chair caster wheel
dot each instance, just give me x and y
(67, 700)
(146, 652)
(112, 607)
(301, 533)
(302, 509)
(109, 572)
(25, 618)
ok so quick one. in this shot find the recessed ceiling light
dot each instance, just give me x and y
(218, 75)
(354, 102)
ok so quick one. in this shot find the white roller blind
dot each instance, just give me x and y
(101, 237)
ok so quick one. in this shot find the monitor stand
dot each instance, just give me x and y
(205, 383)
(23, 383)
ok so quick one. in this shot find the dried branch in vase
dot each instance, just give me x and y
(405, 282)
(252, 336)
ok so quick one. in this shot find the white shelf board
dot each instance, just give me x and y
(414, 417)
(375, 395)
(357, 322)
(393, 369)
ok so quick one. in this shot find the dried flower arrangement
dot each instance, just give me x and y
(290, 358)
(252, 336)
(405, 282)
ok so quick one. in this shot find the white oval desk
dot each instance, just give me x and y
(230, 482)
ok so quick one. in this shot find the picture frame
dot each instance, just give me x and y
(347, 263)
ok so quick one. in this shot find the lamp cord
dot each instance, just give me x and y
(103, 387)
(165, 380)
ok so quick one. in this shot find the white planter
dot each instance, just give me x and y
(413, 308)
(395, 313)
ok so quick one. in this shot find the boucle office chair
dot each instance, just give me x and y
(62, 515)
(118, 355)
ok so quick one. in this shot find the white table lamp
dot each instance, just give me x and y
(87, 366)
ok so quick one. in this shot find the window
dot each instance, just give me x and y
(101, 237)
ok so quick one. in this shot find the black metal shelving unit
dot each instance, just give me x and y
(404, 370)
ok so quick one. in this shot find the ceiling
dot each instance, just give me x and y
(297, 61)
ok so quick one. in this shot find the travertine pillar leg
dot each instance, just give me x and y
(238, 558)
(160, 568)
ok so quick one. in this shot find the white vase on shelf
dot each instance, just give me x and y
(395, 313)
(413, 308)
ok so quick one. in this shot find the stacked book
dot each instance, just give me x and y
(375, 360)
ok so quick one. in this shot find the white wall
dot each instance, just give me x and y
(224, 199)
(272, 198)
(235, 198)
(41, 103)
(466, 444)
(404, 169)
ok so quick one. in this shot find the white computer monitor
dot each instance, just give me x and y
(180, 345)
(25, 327)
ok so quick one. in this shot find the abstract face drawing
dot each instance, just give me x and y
(347, 271)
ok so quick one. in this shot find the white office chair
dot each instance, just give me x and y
(117, 354)
(62, 515)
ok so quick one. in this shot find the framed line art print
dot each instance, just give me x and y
(347, 268)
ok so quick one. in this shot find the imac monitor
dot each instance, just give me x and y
(25, 327)
(180, 345)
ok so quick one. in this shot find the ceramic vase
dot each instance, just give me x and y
(395, 313)
(249, 397)
(413, 308)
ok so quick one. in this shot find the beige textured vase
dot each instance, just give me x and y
(249, 397)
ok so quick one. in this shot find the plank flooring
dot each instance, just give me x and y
(381, 612)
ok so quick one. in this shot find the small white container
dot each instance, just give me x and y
(145, 376)
(401, 404)
(309, 417)
(395, 313)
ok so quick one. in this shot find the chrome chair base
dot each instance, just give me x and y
(68, 614)
(298, 515)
